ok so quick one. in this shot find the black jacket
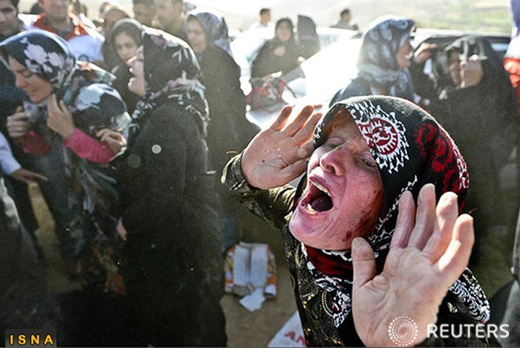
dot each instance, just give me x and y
(266, 62)
(228, 130)
(172, 255)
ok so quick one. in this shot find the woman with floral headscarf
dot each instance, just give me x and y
(383, 61)
(228, 130)
(69, 103)
(362, 273)
(174, 271)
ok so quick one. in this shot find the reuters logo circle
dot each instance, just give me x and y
(403, 331)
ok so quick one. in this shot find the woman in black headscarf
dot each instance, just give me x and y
(308, 38)
(472, 97)
(278, 54)
(125, 37)
(361, 276)
(174, 274)
(229, 131)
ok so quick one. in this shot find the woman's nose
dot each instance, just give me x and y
(19, 83)
(334, 161)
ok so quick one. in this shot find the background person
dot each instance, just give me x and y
(170, 14)
(112, 15)
(345, 21)
(72, 101)
(169, 211)
(126, 39)
(471, 95)
(58, 19)
(229, 131)
(144, 12)
(383, 61)
(265, 20)
(308, 39)
(278, 54)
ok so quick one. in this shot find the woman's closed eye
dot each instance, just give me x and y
(334, 142)
(368, 160)
(26, 74)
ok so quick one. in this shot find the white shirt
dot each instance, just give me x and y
(8, 163)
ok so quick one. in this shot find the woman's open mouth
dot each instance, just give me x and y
(317, 199)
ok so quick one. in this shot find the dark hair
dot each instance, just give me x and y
(110, 8)
(15, 4)
(144, 2)
(129, 26)
(264, 10)
(79, 7)
(345, 12)
(286, 20)
(36, 8)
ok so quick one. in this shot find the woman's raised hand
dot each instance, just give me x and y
(280, 153)
(60, 119)
(430, 249)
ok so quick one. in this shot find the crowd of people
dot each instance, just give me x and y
(134, 127)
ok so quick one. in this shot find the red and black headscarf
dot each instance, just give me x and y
(411, 149)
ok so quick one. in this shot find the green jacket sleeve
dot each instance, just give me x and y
(274, 205)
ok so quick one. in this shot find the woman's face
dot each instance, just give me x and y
(283, 32)
(36, 88)
(137, 84)
(196, 36)
(404, 55)
(344, 194)
(126, 47)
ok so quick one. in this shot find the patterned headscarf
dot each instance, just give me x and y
(411, 149)
(171, 73)
(83, 86)
(215, 29)
(42, 53)
(377, 62)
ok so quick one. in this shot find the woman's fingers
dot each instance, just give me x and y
(281, 119)
(106, 135)
(425, 219)
(456, 257)
(447, 213)
(363, 262)
(299, 121)
(52, 105)
(18, 125)
(305, 133)
(64, 109)
(101, 133)
(294, 170)
(405, 221)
